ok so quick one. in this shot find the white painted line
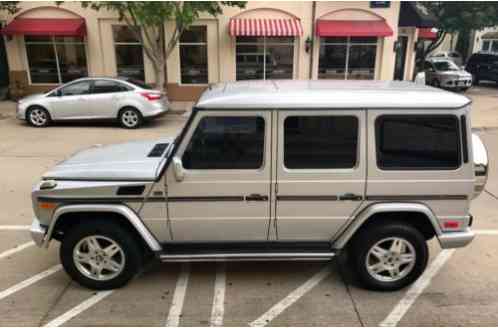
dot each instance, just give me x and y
(15, 227)
(11, 290)
(176, 308)
(290, 299)
(416, 289)
(486, 232)
(16, 249)
(60, 320)
(218, 309)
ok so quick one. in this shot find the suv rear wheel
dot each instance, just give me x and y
(389, 256)
(100, 256)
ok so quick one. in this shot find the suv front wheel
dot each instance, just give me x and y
(389, 256)
(100, 255)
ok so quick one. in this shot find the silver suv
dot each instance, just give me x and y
(126, 100)
(288, 170)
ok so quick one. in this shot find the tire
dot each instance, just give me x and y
(38, 117)
(94, 270)
(475, 79)
(366, 255)
(130, 118)
(436, 83)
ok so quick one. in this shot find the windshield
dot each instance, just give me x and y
(445, 66)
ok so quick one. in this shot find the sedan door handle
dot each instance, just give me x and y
(350, 196)
(256, 198)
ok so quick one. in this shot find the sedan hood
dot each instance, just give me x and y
(460, 73)
(31, 97)
(139, 160)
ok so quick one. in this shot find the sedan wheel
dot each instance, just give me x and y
(38, 117)
(130, 118)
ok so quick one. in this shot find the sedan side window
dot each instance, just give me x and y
(226, 143)
(107, 86)
(78, 88)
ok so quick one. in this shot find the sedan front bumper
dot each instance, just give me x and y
(38, 232)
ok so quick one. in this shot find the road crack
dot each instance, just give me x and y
(491, 194)
(55, 303)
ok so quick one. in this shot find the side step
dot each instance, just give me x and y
(279, 256)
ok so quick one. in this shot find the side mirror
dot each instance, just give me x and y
(178, 169)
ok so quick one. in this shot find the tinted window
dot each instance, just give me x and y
(140, 84)
(320, 142)
(79, 88)
(224, 143)
(418, 142)
(106, 86)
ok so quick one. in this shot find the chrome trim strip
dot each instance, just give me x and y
(307, 198)
(243, 256)
(415, 197)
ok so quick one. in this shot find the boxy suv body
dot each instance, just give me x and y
(483, 67)
(292, 170)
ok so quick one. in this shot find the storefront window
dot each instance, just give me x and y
(193, 56)
(55, 59)
(264, 58)
(485, 45)
(350, 58)
(129, 53)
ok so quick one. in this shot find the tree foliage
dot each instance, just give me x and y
(11, 7)
(147, 19)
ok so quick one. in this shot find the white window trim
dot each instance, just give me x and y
(265, 43)
(491, 43)
(348, 45)
(180, 44)
(121, 43)
(54, 44)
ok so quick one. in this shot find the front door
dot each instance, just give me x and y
(71, 101)
(399, 66)
(321, 170)
(225, 191)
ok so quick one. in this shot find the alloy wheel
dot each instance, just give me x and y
(130, 118)
(38, 117)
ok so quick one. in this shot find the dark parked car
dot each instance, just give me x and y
(483, 67)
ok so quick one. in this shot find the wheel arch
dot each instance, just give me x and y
(33, 106)
(68, 215)
(418, 215)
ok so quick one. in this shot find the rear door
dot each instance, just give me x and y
(321, 171)
(105, 98)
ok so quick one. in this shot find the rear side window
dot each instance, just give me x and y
(226, 143)
(412, 142)
(320, 142)
(107, 86)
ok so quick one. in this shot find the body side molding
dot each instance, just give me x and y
(123, 210)
(341, 239)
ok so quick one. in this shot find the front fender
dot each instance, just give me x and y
(122, 210)
(367, 212)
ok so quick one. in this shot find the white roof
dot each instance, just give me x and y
(282, 94)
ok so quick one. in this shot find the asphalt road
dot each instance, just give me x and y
(459, 288)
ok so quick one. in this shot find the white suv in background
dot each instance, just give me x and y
(126, 100)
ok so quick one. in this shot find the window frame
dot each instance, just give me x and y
(188, 138)
(189, 44)
(378, 121)
(123, 43)
(54, 45)
(125, 88)
(313, 170)
(266, 43)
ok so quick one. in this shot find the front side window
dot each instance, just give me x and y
(226, 143)
(78, 88)
(412, 142)
(194, 55)
(349, 58)
(107, 86)
(264, 57)
(55, 59)
(129, 52)
(320, 142)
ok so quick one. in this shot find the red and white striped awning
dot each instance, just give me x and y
(265, 27)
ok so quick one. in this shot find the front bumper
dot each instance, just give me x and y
(38, 232)
(456, 239)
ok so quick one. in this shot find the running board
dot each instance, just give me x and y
(278, 256)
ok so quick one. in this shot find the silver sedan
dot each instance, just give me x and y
(128, 101)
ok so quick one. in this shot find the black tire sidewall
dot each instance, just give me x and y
(28, 117)
(126, 109)
(131, 249)
(366, 239)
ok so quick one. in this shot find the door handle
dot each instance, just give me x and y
(256, 198)
(350, 196)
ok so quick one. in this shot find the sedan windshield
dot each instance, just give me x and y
(445, 66)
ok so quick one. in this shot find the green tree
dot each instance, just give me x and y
(460, 17)
(11, 7)
(147, 19)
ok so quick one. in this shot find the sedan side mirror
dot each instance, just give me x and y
(178, 169)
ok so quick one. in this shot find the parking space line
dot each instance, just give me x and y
(11, 290)
(416, 289)
(85, 305)
(290, 299)
(486, 232)
(15, 227)
(176, 308)
(218, 309)
(16, 249)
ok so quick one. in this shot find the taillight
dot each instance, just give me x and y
(151, 96)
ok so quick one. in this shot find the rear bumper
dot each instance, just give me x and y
(456, 239)
(38, 232)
